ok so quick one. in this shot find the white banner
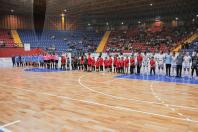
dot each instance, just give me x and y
(26, 47)
(5, 62)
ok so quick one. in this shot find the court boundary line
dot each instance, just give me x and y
(166, 104)
(112, 80)
(10, 124)
(154, 80)
(104, 105)
(131, 99)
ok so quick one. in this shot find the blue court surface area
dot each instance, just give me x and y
(4, 130)
(161, 78)
(42, 70)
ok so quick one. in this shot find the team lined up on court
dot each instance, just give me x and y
(142, 63)
(49, 61)
(137, 63)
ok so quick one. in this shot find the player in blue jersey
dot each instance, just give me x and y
(17, 60)
(22, 61)
(41, 60)
(28, 60)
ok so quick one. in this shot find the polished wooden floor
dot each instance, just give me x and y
(83, 102)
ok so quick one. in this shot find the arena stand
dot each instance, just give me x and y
(148, 38)
(70, 41)
(190, 47)
(6, 39)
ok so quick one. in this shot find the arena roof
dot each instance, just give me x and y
(104, 8)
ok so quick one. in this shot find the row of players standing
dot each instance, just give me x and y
(170, 63)
(49, 61)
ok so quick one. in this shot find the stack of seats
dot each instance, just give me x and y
(6, 39)
(190, 47)
(67, 41)
(146, 39)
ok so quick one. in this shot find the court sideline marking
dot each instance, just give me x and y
(9, 124)
(100, 104)
(165, 104)
(131, 99)
(112, 80)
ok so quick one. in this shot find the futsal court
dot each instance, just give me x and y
(81, 101)
(98, 65)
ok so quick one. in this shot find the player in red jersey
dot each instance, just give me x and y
(132, 64)
(118, 65)
(63, 63)
(49, 60)
(45, 61)
(89, 63)
(97, 64)
(106, 64)
(82, 63)
(139, 62)
(126, 65)
(152, 66)
(56, 61)
(110, 63)
(101, 62)
(122, 65)
(93, 63)
(115, 64)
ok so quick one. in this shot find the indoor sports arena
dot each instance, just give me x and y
(99, 66)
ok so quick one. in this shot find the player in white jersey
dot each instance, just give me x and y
(173, 63)
(186, 64)
(160, 61)
(145, 62)
(155, 55)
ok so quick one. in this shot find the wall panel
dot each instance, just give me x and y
(26, 22)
